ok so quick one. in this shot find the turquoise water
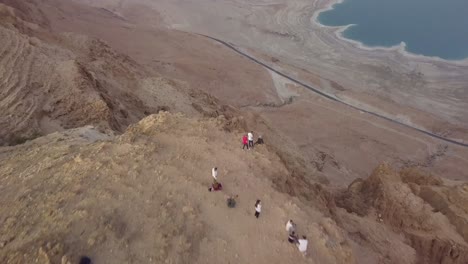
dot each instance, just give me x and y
(428, 27)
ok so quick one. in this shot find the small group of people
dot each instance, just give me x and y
(293, 238)
(231, 200)
(248, 140)
(301, 243)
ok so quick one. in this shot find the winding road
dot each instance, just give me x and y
(333, 98)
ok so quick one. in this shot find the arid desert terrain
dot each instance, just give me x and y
(113, 113)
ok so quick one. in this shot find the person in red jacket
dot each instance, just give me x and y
(245, 141)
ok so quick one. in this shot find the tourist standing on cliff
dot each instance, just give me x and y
(290, 226)
(302, 245)
(214, 173)
(251, 139)
(258, 208)
(245, 141)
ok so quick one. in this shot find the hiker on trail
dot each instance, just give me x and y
(258, 208)
(231, 201)
(216, 186)
(259, 140)
(292, 238)
(251, 139)
(290, 226)
(245, 141)
(302, 244)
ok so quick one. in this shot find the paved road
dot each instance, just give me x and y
(333, 98)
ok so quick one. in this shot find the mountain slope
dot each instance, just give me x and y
(142, 197)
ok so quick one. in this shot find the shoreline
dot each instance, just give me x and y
(401, 48)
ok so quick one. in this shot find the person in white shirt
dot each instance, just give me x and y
(302, 244)
(290, 226)
(258, 208)
(214, 173)
(251, 139)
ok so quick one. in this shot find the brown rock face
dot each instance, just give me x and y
(415, 206)
(431, 249)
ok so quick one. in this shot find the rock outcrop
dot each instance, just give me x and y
(418, 206)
